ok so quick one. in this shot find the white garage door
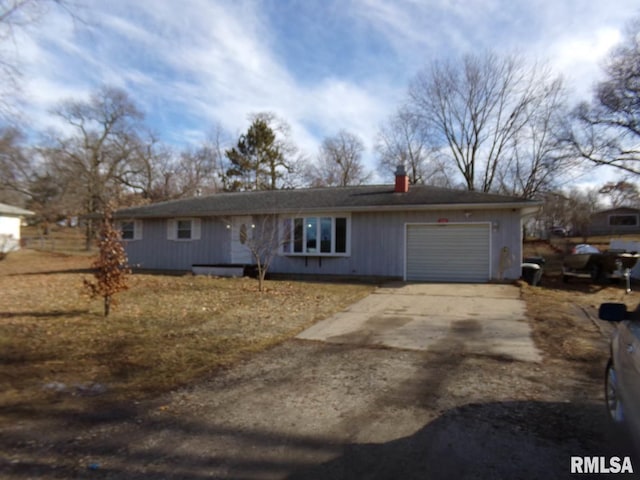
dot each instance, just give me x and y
(448, 253)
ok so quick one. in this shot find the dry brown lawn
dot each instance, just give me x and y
(167, 331)
(557, 310)
(57, 350)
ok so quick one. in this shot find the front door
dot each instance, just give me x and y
(241, 233)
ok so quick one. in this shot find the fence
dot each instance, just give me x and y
(62, 240)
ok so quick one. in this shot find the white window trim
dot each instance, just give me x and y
(137, 230)
(172, 229)
(318, 216)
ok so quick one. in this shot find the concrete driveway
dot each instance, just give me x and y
(473, 319)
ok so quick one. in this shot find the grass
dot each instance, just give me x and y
(167, 331)
(170, 331)
(556, 310)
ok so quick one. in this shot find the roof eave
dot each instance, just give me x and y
(527, 207)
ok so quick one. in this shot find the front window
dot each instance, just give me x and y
(341, 235)
(298, 234)
(318, 236)
(312, 234)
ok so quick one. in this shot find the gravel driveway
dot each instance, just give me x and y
(309, 409)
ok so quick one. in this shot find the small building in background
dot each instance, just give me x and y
(615, 221)
(10, 222)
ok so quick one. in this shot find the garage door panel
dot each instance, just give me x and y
(450, 253)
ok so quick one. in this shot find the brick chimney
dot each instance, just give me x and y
(402, 180)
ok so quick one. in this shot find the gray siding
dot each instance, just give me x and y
(155, 251)
(377, 245)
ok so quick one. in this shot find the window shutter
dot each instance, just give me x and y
(172, 230)
(195, 229)
(137, 230)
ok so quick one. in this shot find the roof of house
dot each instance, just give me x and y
(330, 199)
(11, 211)
(618, 210)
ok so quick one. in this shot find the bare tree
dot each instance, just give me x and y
(402, 140)
(102, 149)
(18, 15)
(16, 169)
(264, 240)
(339, 162)
(554, 212)
(622, 193)
(538, 157)
(608, 130)
(474, 110)
(26, 178)
(582, 205)
(196, 170)
(573, 208)
(264, 243)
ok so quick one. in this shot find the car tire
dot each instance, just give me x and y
(614, 407)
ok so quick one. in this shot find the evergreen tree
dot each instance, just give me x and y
(256, 162)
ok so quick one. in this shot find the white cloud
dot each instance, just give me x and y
(580, 56)
(192, 64)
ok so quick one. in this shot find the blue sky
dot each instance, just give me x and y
(319, 65)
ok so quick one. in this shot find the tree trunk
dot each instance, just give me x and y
(88, 232)
(261, 275)
(107, 305)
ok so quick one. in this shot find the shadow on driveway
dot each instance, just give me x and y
(515, 440)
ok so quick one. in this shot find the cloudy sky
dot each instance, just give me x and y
(321, 65)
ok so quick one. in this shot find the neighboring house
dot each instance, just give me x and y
(10, 222)
(615, 221)
(417, 233)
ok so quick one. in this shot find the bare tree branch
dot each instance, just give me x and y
(339, 162)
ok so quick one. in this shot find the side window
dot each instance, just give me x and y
(184, 230)
(128, 230)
